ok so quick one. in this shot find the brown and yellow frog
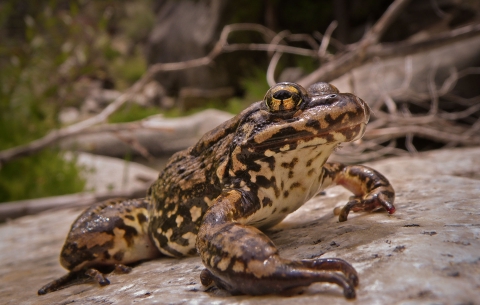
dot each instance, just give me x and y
(245, 175)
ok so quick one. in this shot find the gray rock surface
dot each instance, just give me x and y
(428, 252)
(104, 174)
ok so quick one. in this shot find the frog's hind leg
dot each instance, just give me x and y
(241, 259)
(105, 237)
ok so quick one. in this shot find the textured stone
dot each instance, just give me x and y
(427, 252)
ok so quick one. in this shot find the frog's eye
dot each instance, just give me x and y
(284, 97)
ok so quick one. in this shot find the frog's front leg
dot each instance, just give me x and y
(371, 189)
(241, 259)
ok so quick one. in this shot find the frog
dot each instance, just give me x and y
(217, 198)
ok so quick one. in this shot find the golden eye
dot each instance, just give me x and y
(284, 97)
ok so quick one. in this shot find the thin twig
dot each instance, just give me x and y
(322, 50)
(357, 56)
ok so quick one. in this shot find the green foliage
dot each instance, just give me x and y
(128, 70)
(45, 174)
(255, 85)
(48, 47)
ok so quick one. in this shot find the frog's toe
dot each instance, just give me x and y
(333, 264)
(206, 277)
(372, 202)
(58, 284)
(122, 269)
(97, 276)
(329, 270)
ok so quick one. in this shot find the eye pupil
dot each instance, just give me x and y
(284, 98)
(282, 95)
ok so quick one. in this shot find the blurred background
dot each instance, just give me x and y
(62, 62)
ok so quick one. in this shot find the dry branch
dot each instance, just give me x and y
(356, 56)
(350, 57)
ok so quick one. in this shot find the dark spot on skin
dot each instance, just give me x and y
(290, 165)
(274, 210)
(309, 162)
(119, 255)
(285, 194)
(271, 162)
(267, 202)
(310, 172)
(141, 218)
(130, 232)
(262, 181)
(130, 217)
(284, 210)
(313, 123)
(295, 185)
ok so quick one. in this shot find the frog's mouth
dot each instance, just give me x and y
(302, 139)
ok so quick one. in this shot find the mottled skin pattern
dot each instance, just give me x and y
(245, 175)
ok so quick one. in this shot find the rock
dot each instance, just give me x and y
(427, 252)
(160, 136)
(104, 174)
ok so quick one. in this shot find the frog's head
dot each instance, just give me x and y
(291, 117)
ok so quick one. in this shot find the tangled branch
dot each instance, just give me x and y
(388, 125)
(436, 123)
